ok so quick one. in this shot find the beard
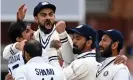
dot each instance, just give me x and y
(77, 50)
(43, 27)
(107, 52)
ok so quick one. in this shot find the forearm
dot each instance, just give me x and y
(66, 48)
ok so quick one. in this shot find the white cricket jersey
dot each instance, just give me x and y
(14, 62)
(84, 68)
(37, 69)
(10, 50)
(111, 71)
(45, 40)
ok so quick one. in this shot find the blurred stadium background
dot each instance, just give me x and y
(101, 14)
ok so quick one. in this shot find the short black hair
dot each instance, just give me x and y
(33, 48)
(16, 29)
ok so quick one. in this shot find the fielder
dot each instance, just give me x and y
(85, 67)
(36, 68)
(44, 14)
(110, 45)
(18, 32)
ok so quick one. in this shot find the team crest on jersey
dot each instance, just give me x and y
(105, 73)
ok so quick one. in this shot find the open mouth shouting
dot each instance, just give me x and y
(48, 24)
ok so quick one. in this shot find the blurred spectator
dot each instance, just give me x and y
(129, 51)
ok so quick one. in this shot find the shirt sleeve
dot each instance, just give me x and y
(66, 48)
(9, 50)
(20, 74)
(53, 57)
(76, 70)
(122, 74)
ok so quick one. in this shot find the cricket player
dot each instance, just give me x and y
(85, 67)
(18, 32)
(36, 68)
(110, 45)
(44, 14)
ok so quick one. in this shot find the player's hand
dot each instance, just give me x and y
(121, 59)
(60, 26)
(8, 77)
(55, 44)
(21, 12)
(20, 45)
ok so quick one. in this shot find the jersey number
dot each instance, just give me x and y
(15, 66)
(50, 79)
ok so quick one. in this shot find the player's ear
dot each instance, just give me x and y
(27, 56)
(114, 45)
(88, 43)
(36, 19)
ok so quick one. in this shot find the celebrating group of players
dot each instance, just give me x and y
(35, 55)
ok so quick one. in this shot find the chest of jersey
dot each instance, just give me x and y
(108, 72)
(14, 62)
(45, 39)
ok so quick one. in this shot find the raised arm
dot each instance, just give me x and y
(21, 12)
(66, 47)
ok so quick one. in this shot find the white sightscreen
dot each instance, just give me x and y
(68, 10)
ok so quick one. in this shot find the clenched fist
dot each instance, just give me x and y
(60, 26)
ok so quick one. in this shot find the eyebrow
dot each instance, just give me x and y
(46, 13)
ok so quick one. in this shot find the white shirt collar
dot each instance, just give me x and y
(87, 53)
(107, 60)
(35, 59)
(41, 32)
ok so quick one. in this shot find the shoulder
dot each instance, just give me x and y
(119, 66)
(8, 46)
(36, 32)
(21, 69)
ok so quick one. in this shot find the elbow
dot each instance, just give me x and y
(5, 56)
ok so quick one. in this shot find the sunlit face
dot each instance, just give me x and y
(105, 46)
(45, 18)
(28, 33)
(79, 43)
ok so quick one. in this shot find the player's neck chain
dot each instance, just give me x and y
(102, 67)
